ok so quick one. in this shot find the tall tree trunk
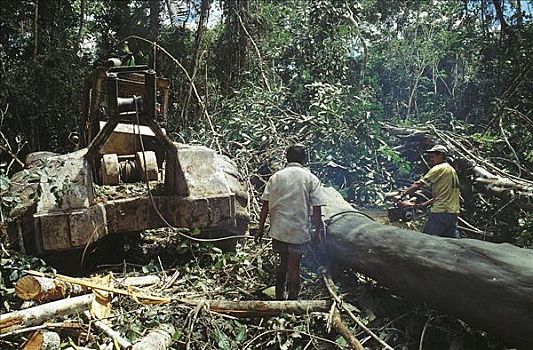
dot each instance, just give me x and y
(480, 282)
(518, 5)
(170, 12)
(34, 131)
(35, 29)
(82, 21)
(204, 11)
(233, 44)
(500, 15)
(153, 27)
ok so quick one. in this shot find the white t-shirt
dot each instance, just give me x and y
(291, 193)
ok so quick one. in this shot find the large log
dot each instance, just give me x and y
(39, 314)
(487, 285)
(44, 289)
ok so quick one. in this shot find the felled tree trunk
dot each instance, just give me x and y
(487, 285)
(46, 289)
(39, 314)
(30, 287)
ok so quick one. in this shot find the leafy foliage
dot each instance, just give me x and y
(325, 73)
(13, 266)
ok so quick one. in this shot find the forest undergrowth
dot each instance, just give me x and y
(205, 272)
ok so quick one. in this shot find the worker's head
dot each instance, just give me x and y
(437, 154)
(296, 154)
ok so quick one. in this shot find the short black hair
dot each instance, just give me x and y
(296, 154)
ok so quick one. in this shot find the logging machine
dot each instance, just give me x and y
(121, 143)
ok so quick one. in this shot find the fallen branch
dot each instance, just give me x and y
(13, 156)
(39, 314)
(488, 177)
(352, 341)
(158, 339)
(117, 337)
(138, 281)
(330, 286)
(257, 308)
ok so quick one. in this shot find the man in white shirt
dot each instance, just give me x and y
(288, 197)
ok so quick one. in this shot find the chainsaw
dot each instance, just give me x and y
(398, 211)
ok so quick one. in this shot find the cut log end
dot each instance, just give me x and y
(42, 340)
(27, 288)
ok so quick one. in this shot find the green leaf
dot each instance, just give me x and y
(14, 275)
(177, 335)
(4, 183)
(223, 342)
(219, 264)
(341, 341)
(196, 231)
(241, 335)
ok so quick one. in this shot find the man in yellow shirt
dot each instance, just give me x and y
(444, 184)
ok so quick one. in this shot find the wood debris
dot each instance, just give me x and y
(212, 300)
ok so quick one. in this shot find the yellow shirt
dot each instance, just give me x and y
(444, 184)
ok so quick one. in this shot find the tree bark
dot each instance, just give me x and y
(255, 308)
(479, 282)
(116, 336)
(46, 289)
(343, 330)
(158, 339)
(40, 314)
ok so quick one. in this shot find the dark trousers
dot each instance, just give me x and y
(288, 270)
(442, 224)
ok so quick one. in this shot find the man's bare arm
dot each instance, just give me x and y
(414, 187)
(262, 219)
